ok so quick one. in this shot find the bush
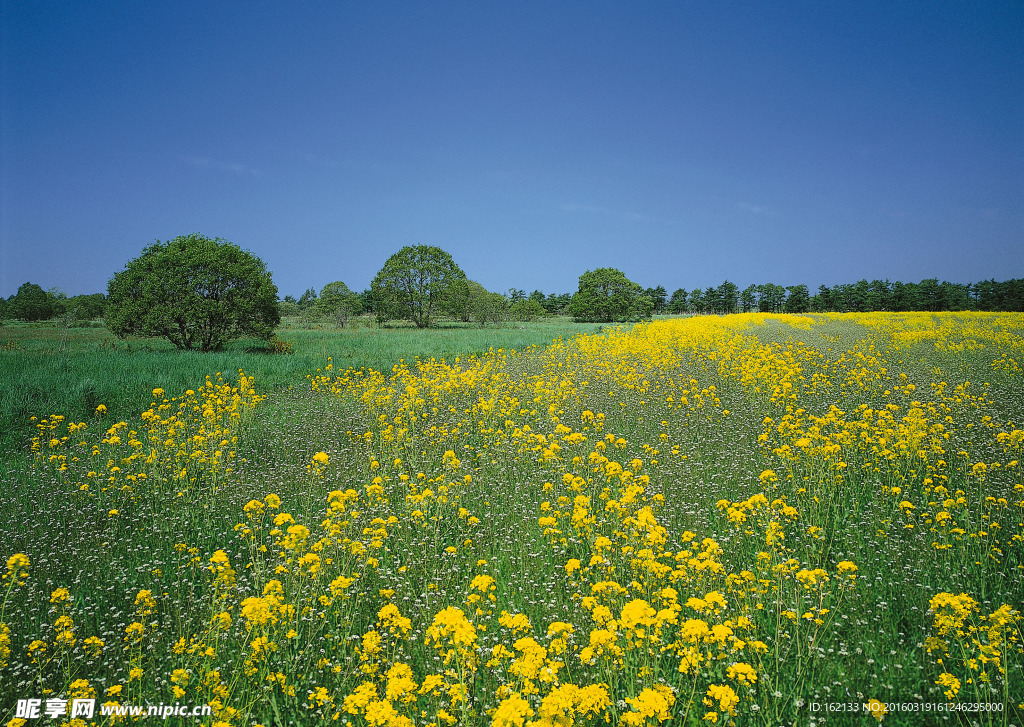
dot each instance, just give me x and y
(195, 292)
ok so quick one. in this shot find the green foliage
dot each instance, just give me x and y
(196, 292)
(658, 296)
(527, 309)
(307, 299)
(727, 296)
(798, 300)
(484, 306)
(606, 295)
(677, 303)
(86, 307)
(748, 298)
(416, 284)
(32, 303)
(337, 303)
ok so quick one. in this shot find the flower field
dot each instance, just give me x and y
(741, 520)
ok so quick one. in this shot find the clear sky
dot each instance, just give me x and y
(682, 142)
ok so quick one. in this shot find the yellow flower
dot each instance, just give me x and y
(222, 620)
(512, 712)
(17, 566)
(724, 696)
(950, 683)
(517, 623)
(651, 702)
(741, 672)
(876, 709)
(637, 613)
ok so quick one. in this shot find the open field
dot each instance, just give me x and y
(747, 519)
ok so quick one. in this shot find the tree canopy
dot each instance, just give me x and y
(606, 295)
(197, 292)
(338, 302)
(416, 284)
(32, 303)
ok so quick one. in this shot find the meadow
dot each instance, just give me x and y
(749, 519)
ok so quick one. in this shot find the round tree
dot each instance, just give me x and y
(32, 303)
(607, 295)
(417, 283)
(196, 292)
(338, 303)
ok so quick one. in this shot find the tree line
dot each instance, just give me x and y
(32, 303)
(200, 293)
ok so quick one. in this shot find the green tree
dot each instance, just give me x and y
(195, 292)
(607, 295)
(770, 298)
(416, 284)
(677, 303)
(338, 303)
(484, 306)
(697, 303)
(799, 299)
(308, 299)
(823, 300)
(658, 296)
(748, 298)
(87, 307)
(32, 303)
(526, 310)
(728, 294)
(712, 300)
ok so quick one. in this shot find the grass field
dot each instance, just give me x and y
(746, 519)
(45, 368)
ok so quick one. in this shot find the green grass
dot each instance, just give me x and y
(46, 369)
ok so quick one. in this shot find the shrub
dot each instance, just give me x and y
(195, 292)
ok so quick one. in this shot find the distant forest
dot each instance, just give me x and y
(32, 303)
(862, 296)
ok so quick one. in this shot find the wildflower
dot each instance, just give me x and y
(512, 712)
(876, 709)
(950, 684)
(257, 611)
(637, 613)
(741, 672)
(17, 567)
(517, 624)
(651, 702)
(724, 696)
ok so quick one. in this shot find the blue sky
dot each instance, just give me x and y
(684, 143)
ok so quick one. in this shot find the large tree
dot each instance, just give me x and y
(197, 292)
(338, 303)
(607, 295)
(416, 284)
(32, 303)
